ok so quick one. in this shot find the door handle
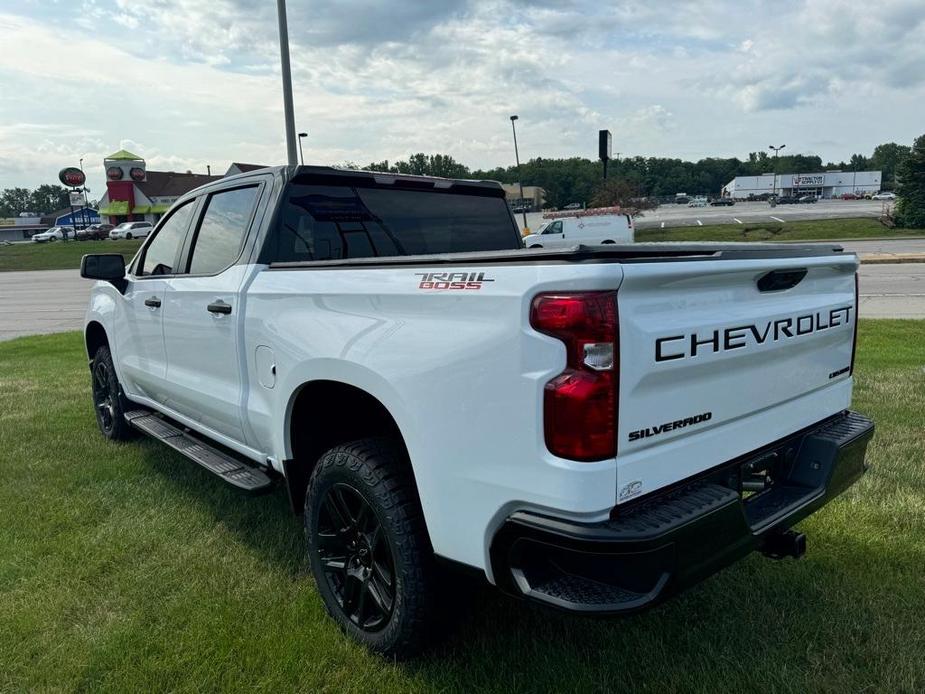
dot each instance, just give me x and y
(219, 307)
(153, 302)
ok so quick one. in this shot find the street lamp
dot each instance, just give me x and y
(288, 109)
(301, 156)
(519, 177)
(774, 183)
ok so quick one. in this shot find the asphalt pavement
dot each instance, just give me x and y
(42, 301)
(50, 301)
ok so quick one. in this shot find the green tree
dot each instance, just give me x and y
(48, 198)
(619, 192)
(15, 200)
(910, 176)
(887, 158)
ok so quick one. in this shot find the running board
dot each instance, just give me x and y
(230, 469)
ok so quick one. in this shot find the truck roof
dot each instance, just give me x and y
(340, 176)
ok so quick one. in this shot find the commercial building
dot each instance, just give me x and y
(828, 184)
(25, 225)
(134, 194)
(533, 198)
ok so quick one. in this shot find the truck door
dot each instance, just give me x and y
(554, 235)
(203, 314)
(140, 343)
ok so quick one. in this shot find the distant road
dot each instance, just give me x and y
(742, 213)
(42, 301)
(51, 301)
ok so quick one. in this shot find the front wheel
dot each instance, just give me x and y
(368, 547)
(108, 402)
(536, 245)
(128, 236)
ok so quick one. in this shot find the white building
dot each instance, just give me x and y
(828, 184)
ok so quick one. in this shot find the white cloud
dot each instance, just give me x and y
(196, 83)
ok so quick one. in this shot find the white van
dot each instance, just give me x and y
(589, 227)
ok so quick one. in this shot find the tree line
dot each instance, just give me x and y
(575, 179)
(41, 200)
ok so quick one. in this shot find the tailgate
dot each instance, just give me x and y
(720, 357)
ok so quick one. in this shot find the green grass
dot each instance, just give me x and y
(59, 255)
(123, 567)
(814, 230)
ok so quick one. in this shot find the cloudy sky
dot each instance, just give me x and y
(186, 83)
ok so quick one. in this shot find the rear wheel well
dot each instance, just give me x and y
(326, 414)
(95, 336)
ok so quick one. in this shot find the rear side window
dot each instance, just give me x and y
(161, 253)
(222, 230)
(321, 222)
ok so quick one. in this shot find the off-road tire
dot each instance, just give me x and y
(378, 470)
(108, 401)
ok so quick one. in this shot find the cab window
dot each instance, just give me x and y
(222, 230)
(553, 228)
(161, 254)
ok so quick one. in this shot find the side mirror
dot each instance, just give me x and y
(109, 267)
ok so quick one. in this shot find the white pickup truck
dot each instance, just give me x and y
(588, 428)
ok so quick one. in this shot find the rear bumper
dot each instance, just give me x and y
(670, 542)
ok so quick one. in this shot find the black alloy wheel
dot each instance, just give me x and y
(103, 397)
(109, 404)
(356, 557)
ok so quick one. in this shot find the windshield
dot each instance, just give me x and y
(329, 222)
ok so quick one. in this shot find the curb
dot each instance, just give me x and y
(888, 258)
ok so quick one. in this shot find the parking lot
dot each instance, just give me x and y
(743, 213)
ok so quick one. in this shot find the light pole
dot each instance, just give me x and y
(519, 177)
(301, 156)
(288, 110)
(774, 183)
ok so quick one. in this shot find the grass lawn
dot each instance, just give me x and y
(127, 568)
(59, 255)
(813, 230)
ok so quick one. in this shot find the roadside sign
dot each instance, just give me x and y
(72, 177)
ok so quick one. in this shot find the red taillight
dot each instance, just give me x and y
(580, 404)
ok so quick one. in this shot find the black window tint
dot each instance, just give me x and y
(162, 251)
(332, 222)
(222, 230)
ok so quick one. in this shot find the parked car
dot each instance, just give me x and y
(56, 233)
(787, 200)
(131, 230)
(95, 232)
(681, 199)
(697, 202)
(722, 202)
(883, 196)
(572, 206)
(850, 196)
(806, 199)
(593, 429)
(589, 228)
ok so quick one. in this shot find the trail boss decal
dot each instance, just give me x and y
(739, 336)
(670, 426)
(451, 280)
